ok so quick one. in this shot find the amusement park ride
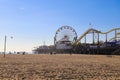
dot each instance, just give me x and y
(64, 37)
(67, 41)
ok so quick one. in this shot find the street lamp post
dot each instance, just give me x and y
(5, 45)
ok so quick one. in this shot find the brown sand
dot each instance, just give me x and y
(59, 67)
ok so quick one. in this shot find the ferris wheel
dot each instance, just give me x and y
(65, 35)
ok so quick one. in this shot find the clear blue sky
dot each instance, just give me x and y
(31, 22)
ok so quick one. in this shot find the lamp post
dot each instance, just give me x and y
(5, 42)
(5, 45)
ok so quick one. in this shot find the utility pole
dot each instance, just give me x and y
(5, 45)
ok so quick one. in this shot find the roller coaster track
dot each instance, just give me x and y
(93, 30)
(110, 31)
(113, 38)
(89, 30)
